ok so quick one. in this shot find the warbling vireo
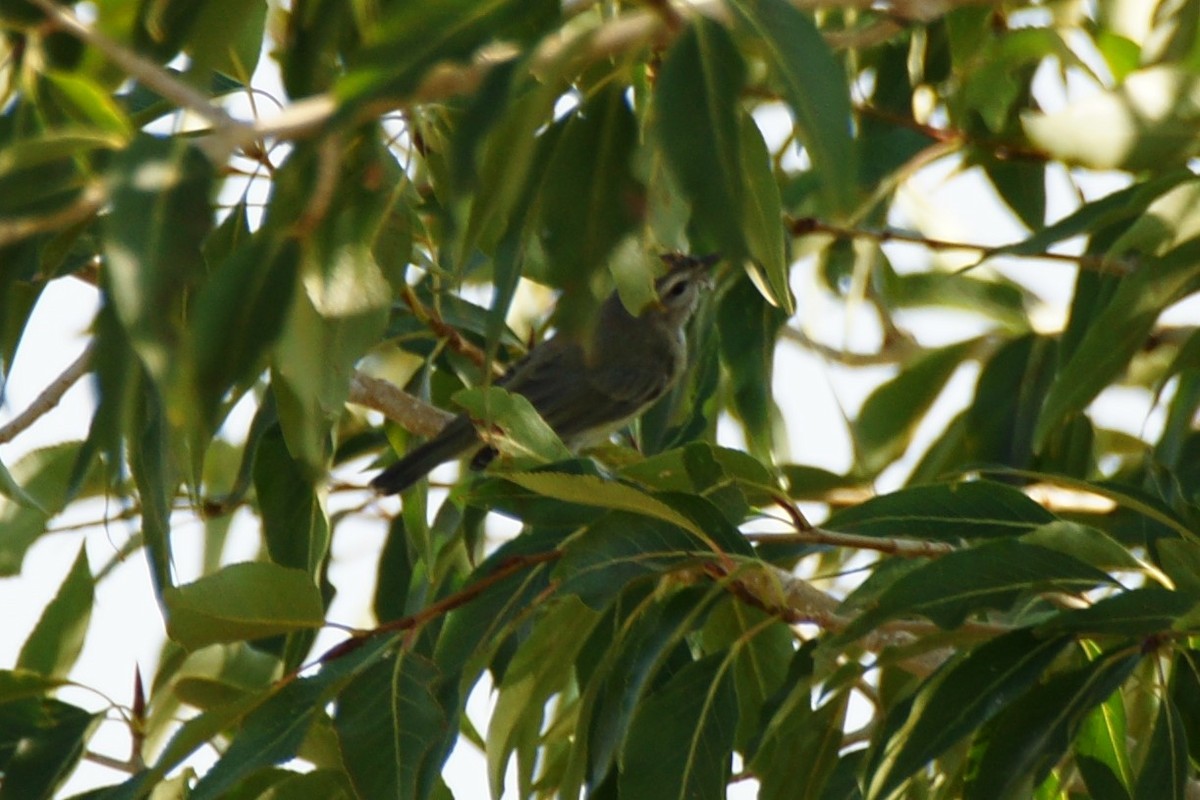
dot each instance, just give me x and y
(586, 390)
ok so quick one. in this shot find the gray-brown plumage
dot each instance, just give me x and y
(584, 390)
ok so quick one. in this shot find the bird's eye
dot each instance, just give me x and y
(677, 290)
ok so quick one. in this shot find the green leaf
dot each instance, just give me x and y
(83, 102)
(589, 197)
(763, 212)
(341, 311)
(1102, 750)
(56, 640)
(619, 548)
(944, 512)
(277, 725)
(1087, 544)
(238, 315)
(801, 747)
(1022, 186)
(394, 726)
(1008, 400)
(541, 668)
(1096, 215)
(1117, 332)
(959, 698)
(160, 215)
(19, 684)
(681, 739)
(748, 328)
(814, 86)
(1029, 737)
(249, 600)
(227, 36)
(890, 415)
(294, 522)
(41, 741)
(1137, 612)
(988, 576)
(44, 474)
(1005, 301)
(641, 646)
(697, 101)
(1165, 772)
(473, 631)
(526, 434)
(411, 38)
(590, 490)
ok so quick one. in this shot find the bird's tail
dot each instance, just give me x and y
(456, 438)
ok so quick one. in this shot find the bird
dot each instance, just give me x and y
(584, 390)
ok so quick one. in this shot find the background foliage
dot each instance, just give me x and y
(1010, 614)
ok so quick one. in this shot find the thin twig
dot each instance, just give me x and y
(806, 226)
(443, 606)
(49, 398)
(807, 533)
(896, 350)
(118, 764)
(454, 339)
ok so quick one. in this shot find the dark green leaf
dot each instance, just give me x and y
(1164, 774)
(160, 215)
(696, 97)
(814, 85)
(413, 37)
(944, 512)
(988, 576)
(276, 723)
(619, 548)
(1117, 332)
(748, 328)
(641, 648)
(394, 728)
(541, 668)
(293, 519)
(18, 684)
(41, 741)
(802, 747)
(1137, 612)
(44, 475)
(962, 696)
(589, 198)
(681, 739)
(763, 224)
(237, 316)
(1029, 737)
(526, 434)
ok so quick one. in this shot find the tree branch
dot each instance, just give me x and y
(49, 398)
(397, 405)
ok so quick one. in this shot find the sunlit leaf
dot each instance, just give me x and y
(57, 639)
(249, 600)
